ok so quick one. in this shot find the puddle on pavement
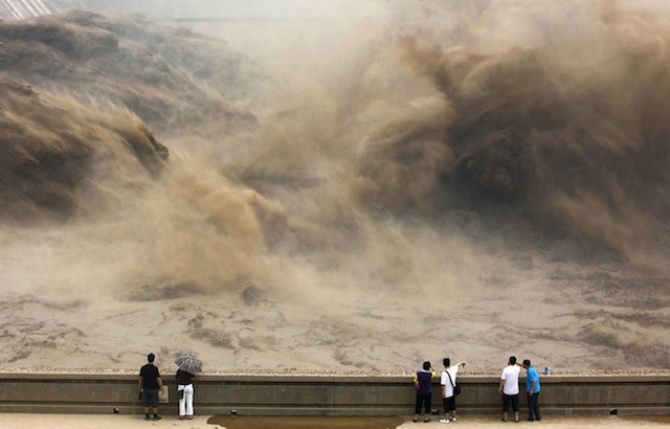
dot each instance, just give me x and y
(650, 419)
(253, 422)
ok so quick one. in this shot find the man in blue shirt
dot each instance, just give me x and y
(533, 390)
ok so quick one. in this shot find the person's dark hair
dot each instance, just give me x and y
(446, 362)
(512, 360)
(526, 362)
(426, 365)
(151, 357)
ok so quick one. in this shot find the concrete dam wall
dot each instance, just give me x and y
(327, 396)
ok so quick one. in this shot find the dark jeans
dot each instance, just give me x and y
(422, 400)
(514, 399)
(534, 407)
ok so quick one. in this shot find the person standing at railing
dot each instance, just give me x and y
(509, 388)
(533, 389)
(448, 382)
(150, 384)
(185, 392)
(424, 390)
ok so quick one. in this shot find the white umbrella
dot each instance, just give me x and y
(189, 362)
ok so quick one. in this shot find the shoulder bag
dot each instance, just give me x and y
(457, 387)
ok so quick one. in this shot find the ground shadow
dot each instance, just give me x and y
(252, 422)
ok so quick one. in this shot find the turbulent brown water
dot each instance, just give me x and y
(473, 181)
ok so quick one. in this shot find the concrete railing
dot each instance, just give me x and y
(326, 396)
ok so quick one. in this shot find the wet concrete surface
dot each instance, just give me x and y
(121, 421)
(248, 422)
(549, 422)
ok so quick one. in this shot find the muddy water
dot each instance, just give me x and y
(248, 422)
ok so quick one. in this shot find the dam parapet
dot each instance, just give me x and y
(327, 395)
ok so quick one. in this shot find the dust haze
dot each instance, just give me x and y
(352, 187)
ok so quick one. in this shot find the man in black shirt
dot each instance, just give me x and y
(149, 385)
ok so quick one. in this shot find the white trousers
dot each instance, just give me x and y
(186, 403)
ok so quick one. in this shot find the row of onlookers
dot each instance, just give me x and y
(508, 388)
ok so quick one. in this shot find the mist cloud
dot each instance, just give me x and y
(563, 125)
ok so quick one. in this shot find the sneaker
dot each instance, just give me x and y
(444, 421)
(426, 420)
(453, 419)
(147, 417)
(157, 417)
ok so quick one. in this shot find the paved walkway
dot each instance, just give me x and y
(113, 421)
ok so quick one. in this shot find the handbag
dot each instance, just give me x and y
(456, 387)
